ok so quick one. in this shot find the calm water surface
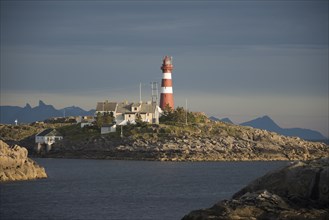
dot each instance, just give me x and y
(107, 189)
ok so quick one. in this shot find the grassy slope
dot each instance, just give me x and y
(74, 132)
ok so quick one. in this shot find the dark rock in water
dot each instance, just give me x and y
(299, 191)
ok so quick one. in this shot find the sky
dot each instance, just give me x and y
(236, 59)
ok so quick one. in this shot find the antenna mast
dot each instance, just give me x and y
(154, 86)
(140, 92)
(186, 112)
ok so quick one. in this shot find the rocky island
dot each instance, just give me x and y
(15, 165)
(203, 140)
(298, 191)
(199, 142)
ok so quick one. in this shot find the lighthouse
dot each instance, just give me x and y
(167, 97)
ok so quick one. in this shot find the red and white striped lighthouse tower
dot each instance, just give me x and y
(167, 97)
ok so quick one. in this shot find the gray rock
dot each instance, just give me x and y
(298, 191)
(225, 142)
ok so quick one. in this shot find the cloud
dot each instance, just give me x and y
(171, 24)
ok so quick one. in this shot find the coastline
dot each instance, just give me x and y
(197, 142)
(226, 143)
(74, 155)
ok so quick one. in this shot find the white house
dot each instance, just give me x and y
(46, 138)
(125, 112)
(105, 129)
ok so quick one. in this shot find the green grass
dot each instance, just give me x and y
(75, 132)
(22, 131)
(141, 130)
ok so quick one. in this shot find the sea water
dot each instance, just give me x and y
(110, 189)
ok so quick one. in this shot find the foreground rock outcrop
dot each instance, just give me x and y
(15, 165)
(299, 191)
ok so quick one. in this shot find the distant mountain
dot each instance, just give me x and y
(214, 118)
(227, 120)
(267, 123)
(8, 113)
(75, 111)
(27, 114)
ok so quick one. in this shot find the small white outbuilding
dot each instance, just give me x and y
(46, 138)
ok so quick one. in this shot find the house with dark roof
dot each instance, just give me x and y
(106, 106)
(46, 138)
(125, 112)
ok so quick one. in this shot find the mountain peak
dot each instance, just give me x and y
(267, 123)
(264, 122)
(213, 118)
(266, 117)
(42, 112)
(27, 106)
(41, 103)
(227, 120)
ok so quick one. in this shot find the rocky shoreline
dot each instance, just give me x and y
(205, 143)
(15, 165)
(299, 191)
(209, 141)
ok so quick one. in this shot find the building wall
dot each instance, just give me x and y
(130, 117)
(148, 117)
(46, 139)
(106, 130)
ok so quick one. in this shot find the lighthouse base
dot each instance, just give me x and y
(167, 99)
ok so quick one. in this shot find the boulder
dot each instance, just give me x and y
(15, 165)
(298, 191)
